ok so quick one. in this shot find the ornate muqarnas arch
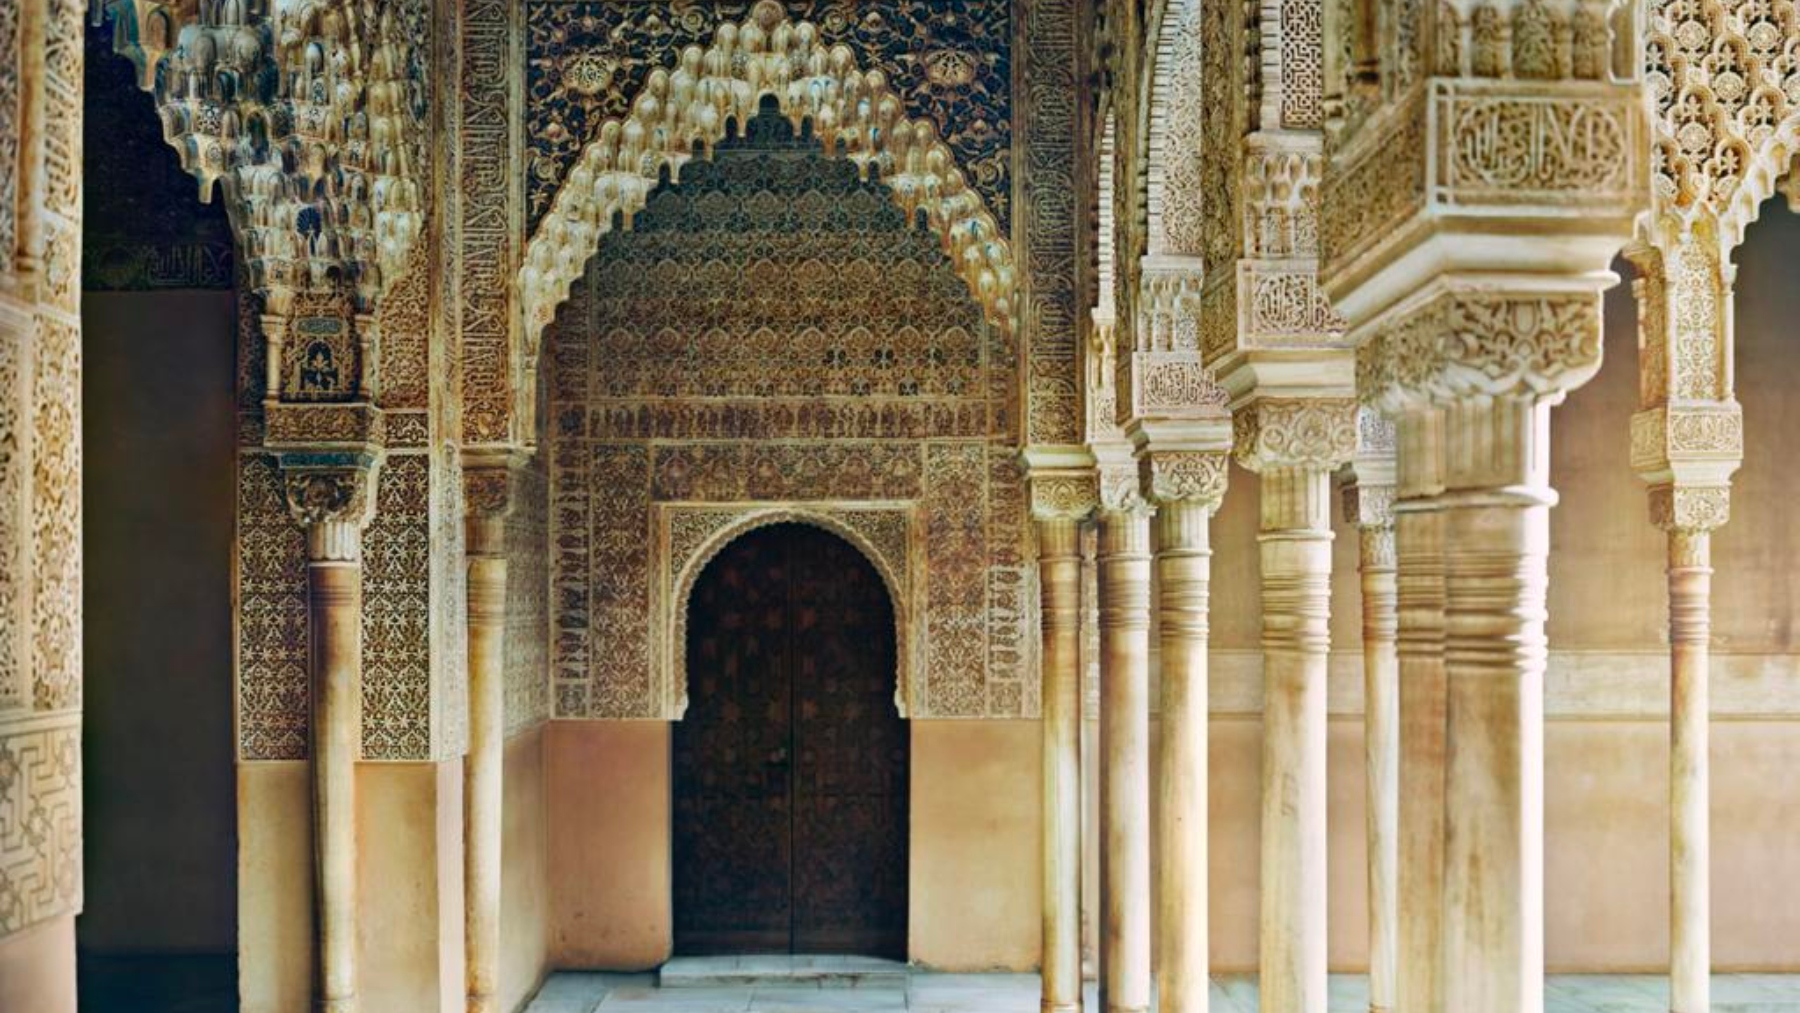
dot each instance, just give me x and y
(853, 113)
(309, 115)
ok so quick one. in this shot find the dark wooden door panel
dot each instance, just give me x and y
(791, 764)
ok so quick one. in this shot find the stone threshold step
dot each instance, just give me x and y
(794, 971)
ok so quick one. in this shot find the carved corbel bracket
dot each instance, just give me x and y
(1296, 432)
(331, 495)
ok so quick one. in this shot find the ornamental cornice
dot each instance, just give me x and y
(1285, 432)
(1460, 339)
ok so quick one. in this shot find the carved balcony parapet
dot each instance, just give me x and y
(312, 120)
(331, 495)
(1469, 176)
(1063, 481)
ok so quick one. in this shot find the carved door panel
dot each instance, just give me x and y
(790, 767)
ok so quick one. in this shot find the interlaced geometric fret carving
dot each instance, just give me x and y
(527, 603)
(273, 697)
(40, 823)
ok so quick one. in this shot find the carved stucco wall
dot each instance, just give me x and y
(41, 62)
(772, 332)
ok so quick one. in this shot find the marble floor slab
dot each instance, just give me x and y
(933, 992)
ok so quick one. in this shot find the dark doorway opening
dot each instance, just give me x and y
(791, 764)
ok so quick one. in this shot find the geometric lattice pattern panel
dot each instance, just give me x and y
(772, 331)
(948, 61)
(273, 694)
(396, 614)
(40, 822)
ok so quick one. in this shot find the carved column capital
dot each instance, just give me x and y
(1295, 432)
(1460, 340)
(1063, 482)
(1122, 493)
(1185, 476)
(332, 497)
(1690, 509)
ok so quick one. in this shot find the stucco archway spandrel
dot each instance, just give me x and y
(853, 113)
(690, 535)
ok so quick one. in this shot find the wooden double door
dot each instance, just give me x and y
(790, 766)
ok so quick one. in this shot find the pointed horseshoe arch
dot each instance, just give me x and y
(853, 113)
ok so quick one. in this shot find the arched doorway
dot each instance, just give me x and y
(790, 766)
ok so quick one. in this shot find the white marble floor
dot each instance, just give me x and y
(931, 992)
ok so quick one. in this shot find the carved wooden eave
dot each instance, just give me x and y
(310, 117)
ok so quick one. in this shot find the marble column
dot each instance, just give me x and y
(1059, 574)
(1295, 445)
(1419, 587)
(487, 499)
(1369, 504)
(1187, 489)
(1124, 562)
(333, 505)
(1090, 755)
(1496, 528)
(1690, 888)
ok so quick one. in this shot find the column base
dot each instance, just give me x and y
(1060, 1007)
(342, 1004)
(1127, 1009)
(482, 1004)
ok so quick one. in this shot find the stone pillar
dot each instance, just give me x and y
(1187, 489)
(333, 505)
(1294, 445)
(487, 500)
(1369, 504)
(1090, 755)
(1124, 560)
(1418, 536)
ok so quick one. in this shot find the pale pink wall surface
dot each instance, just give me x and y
(524, 886)
(976, 864)
(608, 793)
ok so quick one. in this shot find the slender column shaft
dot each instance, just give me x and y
(483, 775)
(335, 587)
(1296, 590)
(1059, 569)
(1496, 542)
(1419, 541)
(1090, 757)
(1124, 560)
(1690, 893)
(1183, 569)
(1381, 753)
